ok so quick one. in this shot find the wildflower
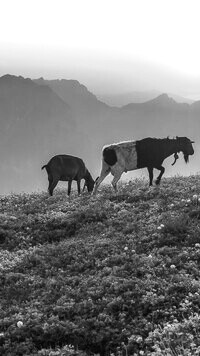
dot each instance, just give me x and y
(139, 339)
(45, 327)
(125, 248)
(172, 205)
(188, 200)
(141, 352)
(187, 301)
(197, 245)
(19, 324)
(13, 217)
(133, 251)
(2, 334)
(150, 256)
(172, 266)
(160, 227)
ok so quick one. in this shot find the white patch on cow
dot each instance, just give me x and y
(126, 161)
(126, 156)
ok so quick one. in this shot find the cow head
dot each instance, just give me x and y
(89, 182)
(185, 146)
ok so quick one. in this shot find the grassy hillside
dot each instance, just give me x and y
(111, 274)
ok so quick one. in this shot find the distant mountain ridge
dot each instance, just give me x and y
(22, 97)
(73, 92)
(23, 102)
(40, 118)
(88, 111)
(124, 99)
(162, 101)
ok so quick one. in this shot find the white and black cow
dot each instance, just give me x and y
(148, 152)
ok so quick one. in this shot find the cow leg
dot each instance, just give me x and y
(69, 186)
(104, 172)
(99, 181)
(53, 185)
(150, 170)
(50, 179)
(79, 186)
(117, 176)
(162, 170)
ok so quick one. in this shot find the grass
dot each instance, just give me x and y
(111, 274)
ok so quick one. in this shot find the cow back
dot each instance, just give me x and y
(67, 167)
(150, 152)
(122, 153)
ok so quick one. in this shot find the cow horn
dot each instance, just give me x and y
(192, 141)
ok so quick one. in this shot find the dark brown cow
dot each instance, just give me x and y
(67, 168)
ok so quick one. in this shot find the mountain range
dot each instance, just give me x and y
(40, 118)
(121, 99)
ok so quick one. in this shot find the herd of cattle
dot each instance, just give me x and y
(116, 159)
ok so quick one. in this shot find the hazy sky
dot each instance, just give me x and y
(108, 45)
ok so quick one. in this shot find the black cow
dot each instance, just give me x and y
(67, 168)
(148, 152)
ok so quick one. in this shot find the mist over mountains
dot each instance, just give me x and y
(122, 99)
(40, 118)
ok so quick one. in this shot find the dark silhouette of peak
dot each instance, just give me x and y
(163, 101)
(77, 95)
(22, 100)
(15, 80)
(69, 84)
(21, 87)
(122, 99)
(25, 92)
(196, 105)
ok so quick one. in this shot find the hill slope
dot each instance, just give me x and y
(115, 272)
